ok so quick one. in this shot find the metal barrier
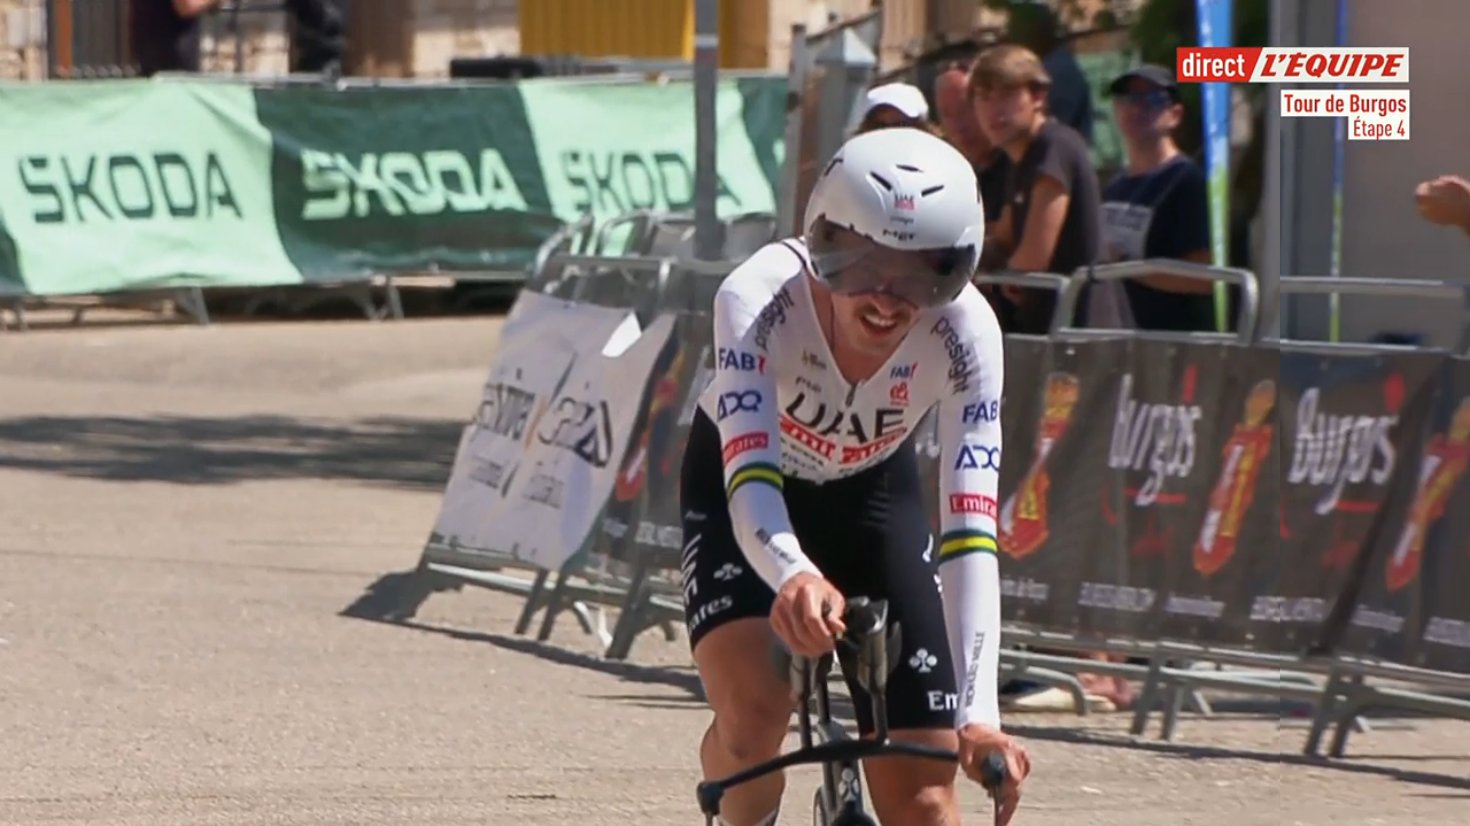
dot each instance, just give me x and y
(1422, 288)
(1250, 293)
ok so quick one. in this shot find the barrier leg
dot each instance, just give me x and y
(1326, 706)
(554, 605)
(1352, 702)
(533, 603)
(394, 308)
(1147, 695)
(630, 614)
(1173, 701)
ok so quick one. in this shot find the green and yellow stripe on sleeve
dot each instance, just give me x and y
(959, 543)
(763, 473)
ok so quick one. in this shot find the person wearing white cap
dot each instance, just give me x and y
(894, 104)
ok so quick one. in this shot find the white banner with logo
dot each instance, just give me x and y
(538, 462)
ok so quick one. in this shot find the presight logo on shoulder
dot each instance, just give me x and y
(739, 360)
(771, 316)
(962, 361)
(434, 182)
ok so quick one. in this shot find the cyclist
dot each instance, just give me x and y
(800, 480)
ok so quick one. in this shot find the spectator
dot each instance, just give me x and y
(1445, 201)
(317, 36)
(894, 104)
(1069, 99)
(164, 34)
(1052, 205)
(962, 129)
(1159, 207)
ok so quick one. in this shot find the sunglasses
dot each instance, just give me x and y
(1151, 99)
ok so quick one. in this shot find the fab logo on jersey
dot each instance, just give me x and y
(977, 412)
(741, 361)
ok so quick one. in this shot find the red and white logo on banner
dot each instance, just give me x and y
(1200, 64)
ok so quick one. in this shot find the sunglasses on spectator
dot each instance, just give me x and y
(1151, 98)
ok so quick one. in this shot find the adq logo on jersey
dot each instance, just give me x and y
(977, 457)
(740, 401)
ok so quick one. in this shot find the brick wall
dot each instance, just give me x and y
(22, 39)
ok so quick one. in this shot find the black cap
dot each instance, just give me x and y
(1155, 74)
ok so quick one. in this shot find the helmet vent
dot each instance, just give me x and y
(908, 167)
(882, 181)
(925, 193)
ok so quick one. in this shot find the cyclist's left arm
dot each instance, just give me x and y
(969, 481)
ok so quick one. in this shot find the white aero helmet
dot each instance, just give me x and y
(896, 210)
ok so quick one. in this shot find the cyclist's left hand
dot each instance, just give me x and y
(976, 742)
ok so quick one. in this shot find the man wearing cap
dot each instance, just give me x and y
(1159, 206)
(894, 104)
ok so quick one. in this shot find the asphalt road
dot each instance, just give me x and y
(185, 513)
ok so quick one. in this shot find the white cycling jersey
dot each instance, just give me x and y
(783, 408)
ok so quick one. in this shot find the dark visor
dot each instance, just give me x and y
(853, 264)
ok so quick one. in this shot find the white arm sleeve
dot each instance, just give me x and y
(746, 411)
(969, 479)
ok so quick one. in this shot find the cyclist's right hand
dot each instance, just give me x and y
(807, 615)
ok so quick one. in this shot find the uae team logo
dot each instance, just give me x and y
(1024, 519)
(1244, 455)
(1446, 458)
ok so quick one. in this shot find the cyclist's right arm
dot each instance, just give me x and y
(747, 412)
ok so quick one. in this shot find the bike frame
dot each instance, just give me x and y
(840, 800)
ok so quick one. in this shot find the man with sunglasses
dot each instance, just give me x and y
(800, 484)
(1159, 206)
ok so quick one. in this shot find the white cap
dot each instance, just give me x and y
(901, 96)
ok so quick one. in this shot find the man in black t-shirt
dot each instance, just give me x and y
(1051, 217)
(164, 34)
(1159, 206)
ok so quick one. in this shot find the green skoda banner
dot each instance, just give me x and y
(387, 179)
(130, 185)
(118, 185)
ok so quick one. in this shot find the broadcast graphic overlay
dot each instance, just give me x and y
(1370, 114)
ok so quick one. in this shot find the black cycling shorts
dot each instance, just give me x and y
(868, 534)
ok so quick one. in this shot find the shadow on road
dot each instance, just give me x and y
(400, 452)
(1201, 752)
(394, 598)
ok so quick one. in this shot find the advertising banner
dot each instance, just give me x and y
(546, 443)
(96, 197)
